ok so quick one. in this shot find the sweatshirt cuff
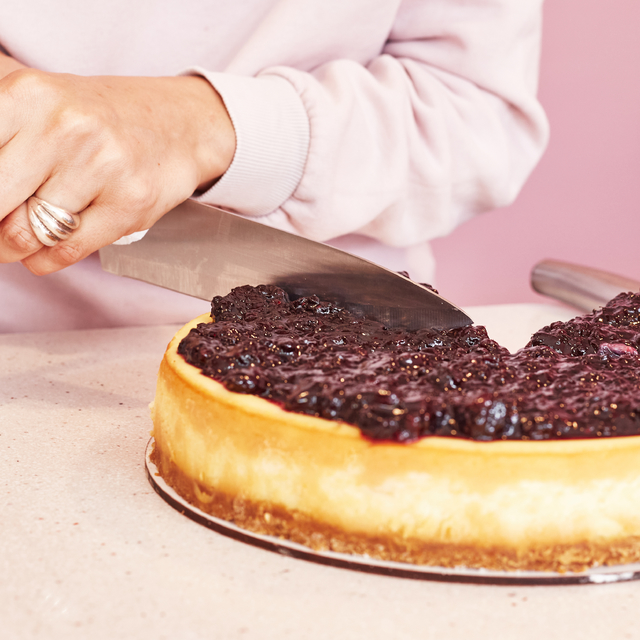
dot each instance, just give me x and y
(272, 142)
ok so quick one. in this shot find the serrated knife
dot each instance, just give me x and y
(203, 251)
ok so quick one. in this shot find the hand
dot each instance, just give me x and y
(8, 64)
(121, 151)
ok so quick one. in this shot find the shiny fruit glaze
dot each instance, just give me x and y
(577, 379)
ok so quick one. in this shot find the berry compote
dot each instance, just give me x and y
(577, 379)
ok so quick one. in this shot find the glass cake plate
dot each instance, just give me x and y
(598, 575)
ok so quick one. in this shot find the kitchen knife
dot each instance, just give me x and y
(203, 251)
(582, 287)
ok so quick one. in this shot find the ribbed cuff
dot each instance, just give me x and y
(272, 141)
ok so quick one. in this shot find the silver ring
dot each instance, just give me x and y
(49, 222)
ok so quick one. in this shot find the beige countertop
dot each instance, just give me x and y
(88, 550)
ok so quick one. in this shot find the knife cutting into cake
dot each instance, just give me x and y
(324, 399)
(281, 386)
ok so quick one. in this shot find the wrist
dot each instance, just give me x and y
(216, 138)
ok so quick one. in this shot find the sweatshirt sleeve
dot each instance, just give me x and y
(441, 125)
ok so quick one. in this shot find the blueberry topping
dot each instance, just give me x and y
(576, 379)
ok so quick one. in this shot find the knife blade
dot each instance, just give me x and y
(203, 251)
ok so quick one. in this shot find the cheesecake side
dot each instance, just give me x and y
(550, 505)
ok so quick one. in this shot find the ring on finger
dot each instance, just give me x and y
(49, 222)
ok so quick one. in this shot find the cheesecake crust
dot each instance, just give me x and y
(271, 519)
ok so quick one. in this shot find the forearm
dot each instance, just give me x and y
(403, 146)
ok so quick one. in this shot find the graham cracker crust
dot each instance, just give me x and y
(274, 520)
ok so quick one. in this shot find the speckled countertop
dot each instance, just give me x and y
(88, 550)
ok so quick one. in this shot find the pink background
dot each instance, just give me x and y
(581, 204)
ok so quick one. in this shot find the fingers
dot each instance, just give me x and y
(59, 156)
(25, 231)
(107, 210)
(97, 226)
(17, 239)
(91, 234)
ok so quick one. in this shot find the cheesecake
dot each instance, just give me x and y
(298, 420)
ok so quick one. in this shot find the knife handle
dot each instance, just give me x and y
(578, 286)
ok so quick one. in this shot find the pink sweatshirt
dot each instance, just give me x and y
(366, 124)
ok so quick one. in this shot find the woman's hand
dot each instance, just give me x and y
(120, 151)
